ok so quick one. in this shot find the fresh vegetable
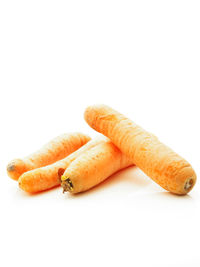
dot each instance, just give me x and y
(56, 149)
(158, 161)
(47, 177)
(93, 167)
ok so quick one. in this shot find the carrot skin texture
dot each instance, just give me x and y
(56, 149)
(93, 167)
(158, 161)
(47, 177)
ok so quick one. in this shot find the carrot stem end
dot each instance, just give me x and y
(11, 167)
(189, 184)
(66, 184)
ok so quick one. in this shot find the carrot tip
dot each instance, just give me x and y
(189, 184)
(66, 184)
(11, 167)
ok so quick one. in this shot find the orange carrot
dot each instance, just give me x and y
(93, 167)
(47, 177)
(56, 149)
(158, 161)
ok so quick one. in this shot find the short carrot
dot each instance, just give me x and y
(158, 161)
(53, 151)
(93, 167)
(44, 178)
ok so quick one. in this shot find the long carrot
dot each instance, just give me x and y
(53, 151)
(93, 167)
(158, 161)
(48, 177)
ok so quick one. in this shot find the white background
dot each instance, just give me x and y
(143, 59)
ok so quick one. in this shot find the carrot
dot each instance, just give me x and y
(93, 167)
(53, 151)
(158, 161)
(48, 177)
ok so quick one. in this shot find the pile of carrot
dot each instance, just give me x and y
(78, 163)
